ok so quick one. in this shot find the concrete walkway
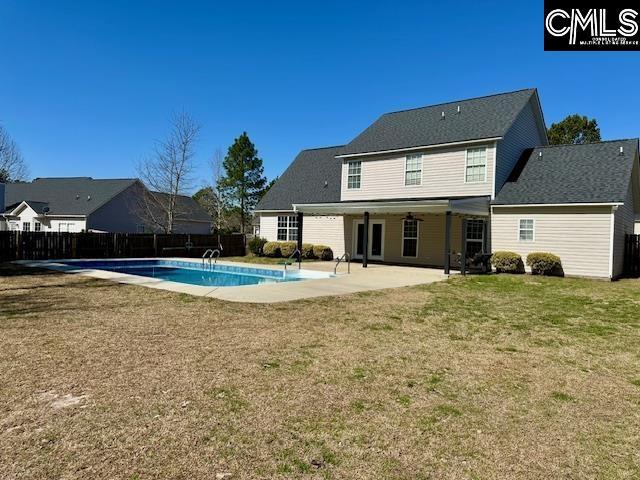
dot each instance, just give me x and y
(375, 277)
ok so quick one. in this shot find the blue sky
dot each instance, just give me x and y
(86, 87)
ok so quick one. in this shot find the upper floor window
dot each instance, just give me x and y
(476, 165)
(354, 174)
(288, 228)
(413, 170)
(526, 230)
(26, 226)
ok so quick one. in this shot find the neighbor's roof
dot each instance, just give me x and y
(482, 117)
(186, 208)
(67, 195)
(589, 173)
(313, 177)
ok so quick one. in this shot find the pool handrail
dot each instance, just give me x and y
(286, 262)
(345, 256)
(209, 252)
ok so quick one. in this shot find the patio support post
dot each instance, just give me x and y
(447, 243)
(463, 254)
(300, 219)
(365, 240)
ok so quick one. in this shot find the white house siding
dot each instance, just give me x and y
(523, 134)
(625, 223)
(443, 175)
(580, 236)
(319, 230)
(637, 227)
(48, 224)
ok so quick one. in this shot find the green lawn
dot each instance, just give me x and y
(483, 377)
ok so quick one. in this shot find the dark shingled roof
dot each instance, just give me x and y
(186, 207)
(313, 177)
(66, 196)
(590, 173)
(482, 117)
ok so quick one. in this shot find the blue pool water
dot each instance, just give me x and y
(193, 273)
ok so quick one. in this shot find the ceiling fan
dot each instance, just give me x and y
(411, 217)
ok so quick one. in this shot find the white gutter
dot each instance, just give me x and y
(423, 147)
(522, 205)
(611, 238)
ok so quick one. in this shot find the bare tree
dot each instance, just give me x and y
(167, 173)
(12, 165)
(220, 209)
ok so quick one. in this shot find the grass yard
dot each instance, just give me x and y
(495, 377)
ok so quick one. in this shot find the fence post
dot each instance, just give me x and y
(155, 245)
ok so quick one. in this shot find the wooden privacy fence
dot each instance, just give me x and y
(632, 255)
(18, 245)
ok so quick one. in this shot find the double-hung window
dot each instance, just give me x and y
(476, 165)
(410, 238)
(526, 230)
(288, 228)
(26, 226)
(413, 170)
(475, 237)
(354, 174)
(37, 226)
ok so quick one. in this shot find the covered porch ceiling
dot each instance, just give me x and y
(464, 206)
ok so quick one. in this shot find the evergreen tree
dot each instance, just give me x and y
(243, 180)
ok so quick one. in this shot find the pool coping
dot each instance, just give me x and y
(376, 277)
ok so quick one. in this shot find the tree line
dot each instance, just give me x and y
(237, 181)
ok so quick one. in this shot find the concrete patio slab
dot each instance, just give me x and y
(375, 277)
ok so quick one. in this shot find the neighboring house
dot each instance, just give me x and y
(79, 204)
(401, 191)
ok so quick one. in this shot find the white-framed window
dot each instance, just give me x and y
(476, 165)
(14, 226)
(413, 170)
(37, 226)
(288, 228)
(140, 228)
(475, 237)
(526, 230)
(26, 226)
(354, 174)
(410, 238)
(63, 227)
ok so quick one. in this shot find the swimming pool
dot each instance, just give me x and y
(194, 273)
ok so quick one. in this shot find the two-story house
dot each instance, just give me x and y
(418, 186)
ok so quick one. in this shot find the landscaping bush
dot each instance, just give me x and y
(256, 245)
(272, 249)
(507, 262)
(543, 263)
(307, 251)
(323, 252)
(287, 248)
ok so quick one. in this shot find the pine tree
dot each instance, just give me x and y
(243, 182)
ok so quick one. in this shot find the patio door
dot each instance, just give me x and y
(376, 239)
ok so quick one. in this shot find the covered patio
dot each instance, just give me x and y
(416, 232)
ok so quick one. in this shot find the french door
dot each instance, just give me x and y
(376, 239)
